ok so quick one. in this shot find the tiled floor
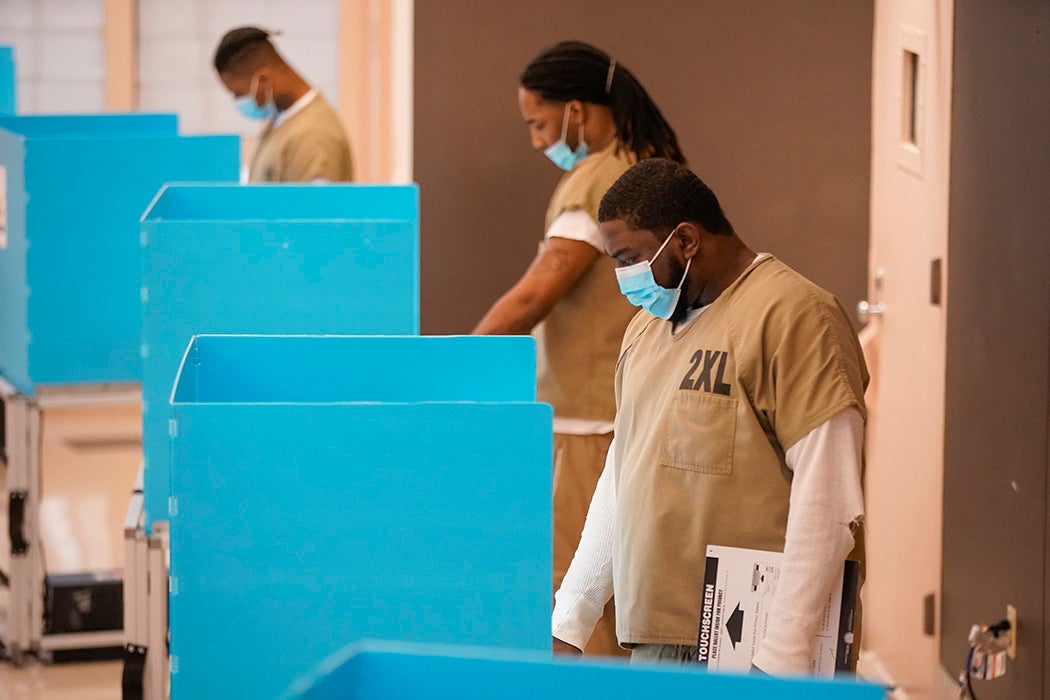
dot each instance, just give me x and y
(97, 680)
(89, 461)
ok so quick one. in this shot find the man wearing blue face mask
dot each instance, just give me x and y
(302, 139)
(740, 423)
(591, 118)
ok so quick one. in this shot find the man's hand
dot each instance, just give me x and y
(561, 647)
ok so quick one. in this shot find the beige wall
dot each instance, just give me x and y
(909, 229)
(771, 100)
(375, 81)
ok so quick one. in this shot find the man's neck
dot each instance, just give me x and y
(737, 259)
(600, 129)
(295, 89)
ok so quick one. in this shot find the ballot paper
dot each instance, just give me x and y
(737, 594)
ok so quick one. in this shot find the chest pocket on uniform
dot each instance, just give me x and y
(700, 433)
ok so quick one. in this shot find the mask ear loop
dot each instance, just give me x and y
(664, 245)
(684, 274)
(688, 262)
(565, 123)
(565, 128)
(254, 87)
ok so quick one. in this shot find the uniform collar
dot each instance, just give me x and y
(296, 107)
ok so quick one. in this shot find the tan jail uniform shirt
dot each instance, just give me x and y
(305, 143)
(579, 340)
(704, 419)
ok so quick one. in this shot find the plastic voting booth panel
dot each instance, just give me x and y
(323, 259)
(410, 671)
(329, 489)
(7, 80)
(72, 190)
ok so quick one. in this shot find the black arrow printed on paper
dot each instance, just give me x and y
(735, 626)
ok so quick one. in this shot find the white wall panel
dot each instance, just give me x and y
(178, 39)
(59, 53)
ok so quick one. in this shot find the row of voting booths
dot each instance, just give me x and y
(70, 306)
(316, 474)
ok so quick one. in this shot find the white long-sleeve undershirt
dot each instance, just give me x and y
(826, 501)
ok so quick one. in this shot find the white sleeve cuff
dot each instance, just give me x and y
(577, 225)
(786, 649)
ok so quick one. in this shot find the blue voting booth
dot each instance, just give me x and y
(329, 488)
(70, 257)
(8, 94)
(329, 259)
(410, 671)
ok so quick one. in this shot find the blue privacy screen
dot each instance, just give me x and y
(330, 489)
(70, 259)
(276, 259)
(398, 671)
(8, 91)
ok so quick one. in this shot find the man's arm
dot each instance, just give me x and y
(559, 265)
(587, 585)
(827, 504)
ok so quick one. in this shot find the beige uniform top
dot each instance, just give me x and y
(704, 419)
(310, 145)
(578, 342)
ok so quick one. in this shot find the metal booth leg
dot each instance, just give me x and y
(21, 430)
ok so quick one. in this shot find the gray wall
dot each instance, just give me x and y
(997, 422)
(771, 100)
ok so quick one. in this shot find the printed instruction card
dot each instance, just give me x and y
(738, 591)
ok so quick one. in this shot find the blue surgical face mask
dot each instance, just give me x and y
(560, 153)
(247, 106)
(639, 286)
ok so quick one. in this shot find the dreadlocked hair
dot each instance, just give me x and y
(573, 70)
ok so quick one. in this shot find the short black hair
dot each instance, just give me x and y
(657, 194)
(236, 41)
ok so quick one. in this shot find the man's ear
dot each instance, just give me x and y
(689, 236)
(265, 84)
(577, 111)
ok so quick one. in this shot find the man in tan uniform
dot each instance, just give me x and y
(740, 417)
(592, 118)
(302, 139)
